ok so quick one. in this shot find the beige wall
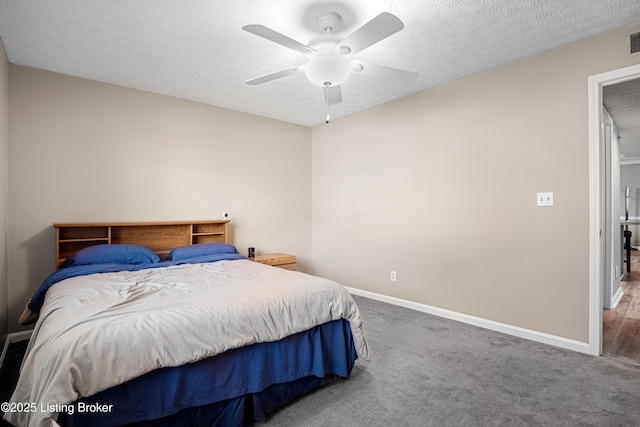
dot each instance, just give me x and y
(4, 177)
(87, 151)
(441, 187)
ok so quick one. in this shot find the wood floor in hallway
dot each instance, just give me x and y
(621, 328)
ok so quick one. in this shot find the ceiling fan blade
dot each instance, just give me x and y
(272, 76)
(332, 95)
(387, 74)
(379, 28)
(276, 37)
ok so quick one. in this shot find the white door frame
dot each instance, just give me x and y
(596, 199)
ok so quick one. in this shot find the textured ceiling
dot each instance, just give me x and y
(622, 100)
(197, 50)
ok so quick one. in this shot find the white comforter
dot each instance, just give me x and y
(162, 317)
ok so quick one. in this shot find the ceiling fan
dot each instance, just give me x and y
(331, 57)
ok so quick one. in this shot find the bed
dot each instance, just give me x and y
(155, 330)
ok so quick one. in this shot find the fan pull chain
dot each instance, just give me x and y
(326, 98)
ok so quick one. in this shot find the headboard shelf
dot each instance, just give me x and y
(161, 237)
(85, 239)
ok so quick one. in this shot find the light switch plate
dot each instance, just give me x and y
(545, 199)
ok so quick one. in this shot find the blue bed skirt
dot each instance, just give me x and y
(231, 389)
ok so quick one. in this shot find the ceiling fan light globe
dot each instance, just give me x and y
(327, 70)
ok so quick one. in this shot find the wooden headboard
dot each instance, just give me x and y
(160, 237)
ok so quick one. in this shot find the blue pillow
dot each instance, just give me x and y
(112, 254)
(201, 249)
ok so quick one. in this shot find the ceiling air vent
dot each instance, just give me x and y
(634, 43)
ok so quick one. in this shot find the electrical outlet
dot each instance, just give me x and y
(393, 276)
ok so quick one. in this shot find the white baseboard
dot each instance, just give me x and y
(616, 298)
(477, 321)
(14, 337)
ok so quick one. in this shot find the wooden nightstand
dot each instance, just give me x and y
(285, 261)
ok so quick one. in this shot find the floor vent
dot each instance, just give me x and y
(634, 43)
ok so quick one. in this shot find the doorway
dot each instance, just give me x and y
(601, 197)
